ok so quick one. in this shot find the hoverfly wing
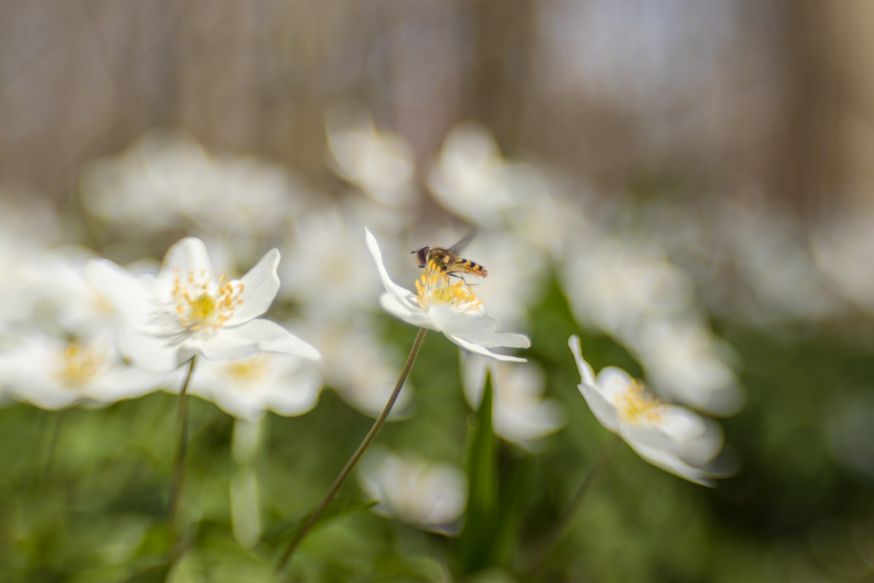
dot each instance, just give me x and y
(461, 244)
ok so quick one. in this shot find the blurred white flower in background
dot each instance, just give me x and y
(516, 274)
(771, 254)
(670, 437)
(843, 247)
(330, 271)
(471, 178)
(185, 310)
(53, 372)
(520, 413)
(247, 388)
(426, 494)
(448, 305)
(687, 363)
(357, 363)
(380, 163)
(166, 179)
(615, 284)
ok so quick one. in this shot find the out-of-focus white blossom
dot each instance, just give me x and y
(516, 275)
(843, 248)
(771, 254)
(380, 163)
(167, 179)
(520, 413)
(448, 305)
(426, 494)
(616, 284)
(685, 362)
(52, 372)
(186, 310)
(331, 271)
(357, 363)
(670, 437)
(471, 178)
(247, 388)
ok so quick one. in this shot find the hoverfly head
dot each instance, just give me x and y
(422, 256)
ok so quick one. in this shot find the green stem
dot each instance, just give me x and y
(313, 517)
(181, 444)
(554, 535)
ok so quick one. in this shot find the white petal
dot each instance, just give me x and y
(260, 285)
(614, 383)
(672, 463)
(473, 327)
(482, 350)
(251, 338)
(603, 409)
(150, 352)
(399, 310)
(404, 297)
(126, 292)
(586, 372)
(187, 256)
(473, 377)
(506, 340)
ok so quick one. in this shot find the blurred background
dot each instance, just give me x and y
(686, 185)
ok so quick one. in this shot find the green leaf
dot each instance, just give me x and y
(476, 543)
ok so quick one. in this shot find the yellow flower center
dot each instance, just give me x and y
(250, 370)
(436, 287)
(78, 365)
(204, 304)
(637, 404)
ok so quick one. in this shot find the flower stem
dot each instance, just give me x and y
(181, 444)
(313, 517)
(561, 526)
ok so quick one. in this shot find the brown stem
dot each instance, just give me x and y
(313, 517)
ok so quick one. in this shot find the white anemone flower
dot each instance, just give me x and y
(52, 373)
(520, 413)
(670, 437)
(185, 310)
(248, 388)
(429, 495)
(687, 363)
(357, 364)
(448, 305)
(380, 163)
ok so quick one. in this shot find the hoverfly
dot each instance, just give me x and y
(449, 259)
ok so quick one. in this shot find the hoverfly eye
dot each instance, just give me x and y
(422, 256)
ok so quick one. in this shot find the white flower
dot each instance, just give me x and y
(668, 436)
(246, 389)
(448, 305)
(357, 364)
(52, 373)
(520, 413)
(427, 494)
(472, 179)
(618, 284)
(685, 362)
(336, 276)
(166, 179)
(185, 310)
(380, 163)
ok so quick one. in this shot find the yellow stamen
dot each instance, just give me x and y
(435, 287)
(637, 404)
(204, 304)
(249, 370)
(78, 365)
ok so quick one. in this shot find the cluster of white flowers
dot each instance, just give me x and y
(78, 329)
